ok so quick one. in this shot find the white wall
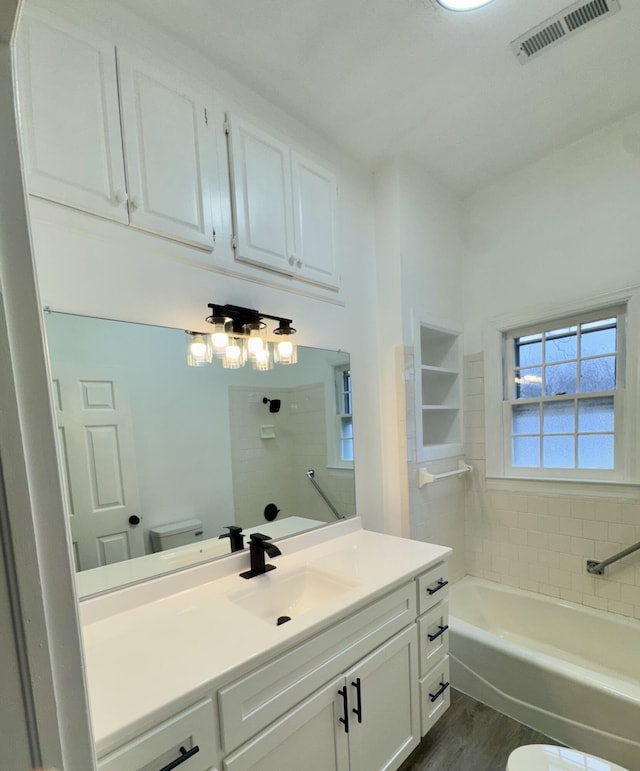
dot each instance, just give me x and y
(564, 229)
(419, 263)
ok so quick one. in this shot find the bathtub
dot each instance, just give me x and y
(571, 672)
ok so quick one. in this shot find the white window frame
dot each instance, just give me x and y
(624, 304)
(335, 418)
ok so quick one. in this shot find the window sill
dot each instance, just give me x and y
(335, 467)
(568, 487)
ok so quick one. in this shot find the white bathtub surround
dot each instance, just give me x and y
(540, 542)
(568, 671)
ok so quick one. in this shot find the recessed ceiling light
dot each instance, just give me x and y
(463, 5)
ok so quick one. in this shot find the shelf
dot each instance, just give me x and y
(442, 407)
(430, 369)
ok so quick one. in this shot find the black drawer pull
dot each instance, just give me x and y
(441, 585)
(439, 692)
(358, 710)
(184, 755)
(441, 630)
(345, 707)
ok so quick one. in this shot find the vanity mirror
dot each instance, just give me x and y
(150, 446)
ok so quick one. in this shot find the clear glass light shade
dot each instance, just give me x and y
(256, 342)
(199, 350)
(463, 5)
(263, 360)
(234, 357)
(286, 351)
(222, 329)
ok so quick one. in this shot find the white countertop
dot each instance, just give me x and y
(165, 643)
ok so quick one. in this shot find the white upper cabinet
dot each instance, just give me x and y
(261, 191)
(89, 124)
(70, 121)
(284, 206)
(314, 199)
(167, 154)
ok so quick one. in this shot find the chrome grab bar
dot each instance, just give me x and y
(311, 477)
(597, 568)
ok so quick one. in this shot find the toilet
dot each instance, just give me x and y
(174, 534)
(547, 757)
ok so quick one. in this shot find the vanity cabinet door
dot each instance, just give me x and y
(260, 167)
(314, 206)
(384, 714)
(309, 737)
(169, 154)
(69, 117)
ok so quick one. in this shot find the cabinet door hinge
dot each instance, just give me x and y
(234, 242)
(214, 235)
(225, 125)
(206, 117)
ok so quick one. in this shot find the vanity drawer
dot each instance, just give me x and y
(167, 742)
(433, 633)
(433, 586)
(435, 695)
(256, 700)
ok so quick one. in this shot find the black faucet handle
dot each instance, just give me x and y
(236, 537)
(259, 537)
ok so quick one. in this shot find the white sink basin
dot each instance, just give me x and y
(274, 596)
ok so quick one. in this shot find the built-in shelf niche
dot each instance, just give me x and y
(438, 393)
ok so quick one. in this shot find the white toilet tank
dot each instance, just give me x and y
(174, 534)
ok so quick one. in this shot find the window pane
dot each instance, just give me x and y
(597, 342)
(525, 419)
(560, 379)
(595, 451)
(598, 374)
(528, 383)
(595, 414)
(561, 348)
(558, 418)
(346, 428)
(346, 449)
(558, 452)
(528, 354)
(526, 451)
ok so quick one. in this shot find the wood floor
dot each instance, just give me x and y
(470, 737)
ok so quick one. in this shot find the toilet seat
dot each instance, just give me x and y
(547, 757)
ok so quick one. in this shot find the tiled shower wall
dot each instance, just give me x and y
(541, 542)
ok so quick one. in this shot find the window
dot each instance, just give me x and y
(343, 414)
(563, 389)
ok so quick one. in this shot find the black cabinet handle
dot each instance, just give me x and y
(184, 755)
(358, 709)
(439, 692)
(345, 707)
(441, 585)
(441, 630)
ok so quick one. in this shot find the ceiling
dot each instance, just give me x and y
(386, 77)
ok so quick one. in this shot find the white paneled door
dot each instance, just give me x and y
(98, 460)
(169, 154)
(70, 117)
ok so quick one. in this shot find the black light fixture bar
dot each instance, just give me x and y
(241, 317)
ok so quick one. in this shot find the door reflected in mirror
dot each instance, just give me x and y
(158, 459)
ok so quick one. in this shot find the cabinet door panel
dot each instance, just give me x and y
(69, 116)
(314, 195)
(261, 197)
(389, 725)
(309, 736)
(168, 154)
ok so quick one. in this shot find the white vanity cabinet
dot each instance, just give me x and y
(283, 206)
(433, 634)
(91, 120)
(184, 741)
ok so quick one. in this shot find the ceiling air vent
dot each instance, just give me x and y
(564, 24)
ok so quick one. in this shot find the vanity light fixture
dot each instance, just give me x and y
(241, 335)
(199, 349)
(463, 5)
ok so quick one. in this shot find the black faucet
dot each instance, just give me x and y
(236, 536)
(257, 548)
